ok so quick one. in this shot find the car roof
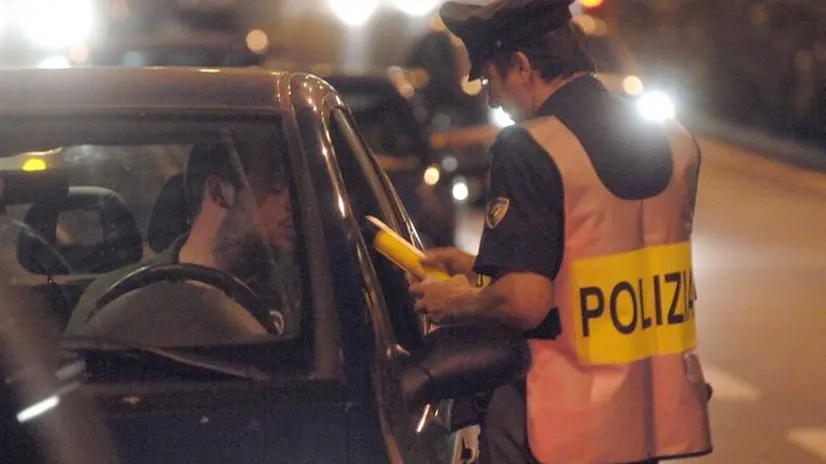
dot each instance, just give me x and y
(93, 90)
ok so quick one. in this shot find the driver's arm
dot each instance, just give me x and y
(87, 303)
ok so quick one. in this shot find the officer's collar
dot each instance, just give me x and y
(569, 92)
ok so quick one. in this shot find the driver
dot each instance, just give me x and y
(238, 223)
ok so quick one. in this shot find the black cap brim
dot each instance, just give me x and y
(501, 26)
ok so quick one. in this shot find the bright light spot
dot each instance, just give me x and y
(38, 408)
(450, 163)
(418, 77)
(591, 3)
(436, 24)
(423, 419)
(79, 53)
(71, 371)
(591, 25)
(406, 89)
(55, 62)
(460, 191)
(473, 87)
(34, 164)
(353, 12)
(416, 7)
(587, 23)
(500, 118)
(257, 41)
(432, 175)
(600, 27)
(632, 85)
(56, 23)
(341, 207)
(656, 106)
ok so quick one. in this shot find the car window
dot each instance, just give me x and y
(388, 127)
(366, 193)
(87, 201)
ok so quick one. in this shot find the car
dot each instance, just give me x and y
(361, 377)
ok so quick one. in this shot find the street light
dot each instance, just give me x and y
(54, 62)
(591, 3)
(56, 23)
(500, 118)
(353, 13)
(416, 8)
(3, 18)
(656, 106)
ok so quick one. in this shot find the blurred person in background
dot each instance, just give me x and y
(586, 247)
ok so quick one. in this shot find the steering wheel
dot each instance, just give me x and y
(232, 287)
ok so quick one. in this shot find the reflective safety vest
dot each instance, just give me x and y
(621, 383)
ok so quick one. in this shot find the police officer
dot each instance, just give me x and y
(587, 247)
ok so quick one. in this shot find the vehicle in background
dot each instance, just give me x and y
(388, 109)
(390, 117)
(213, 49)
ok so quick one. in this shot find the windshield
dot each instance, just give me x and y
(164, 233)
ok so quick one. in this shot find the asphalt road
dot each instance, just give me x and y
(760, 264)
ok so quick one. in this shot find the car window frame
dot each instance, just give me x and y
(397, 428)
(393, 214)
(320, 364)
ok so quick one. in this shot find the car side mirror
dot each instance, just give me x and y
(463, 360)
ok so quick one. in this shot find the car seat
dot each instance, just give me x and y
(169, 217)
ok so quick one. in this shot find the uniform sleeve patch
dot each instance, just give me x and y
(496, 211)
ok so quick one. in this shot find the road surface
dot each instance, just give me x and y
(760, 264)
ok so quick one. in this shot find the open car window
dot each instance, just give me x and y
(388, 127)
(89, 202)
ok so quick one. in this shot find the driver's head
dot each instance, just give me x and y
(241, 215)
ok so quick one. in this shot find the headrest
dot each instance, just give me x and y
(121, 243)
(169, 217)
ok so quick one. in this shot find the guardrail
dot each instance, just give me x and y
(804, 155)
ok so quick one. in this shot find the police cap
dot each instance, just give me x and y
(502, 25)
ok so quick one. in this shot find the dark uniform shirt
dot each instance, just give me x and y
(525, 222)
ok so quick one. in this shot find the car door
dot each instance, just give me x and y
(421, 435)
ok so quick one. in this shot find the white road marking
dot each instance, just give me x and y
(729, 388)
(811, 440)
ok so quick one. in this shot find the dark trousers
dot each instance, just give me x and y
(504, 436)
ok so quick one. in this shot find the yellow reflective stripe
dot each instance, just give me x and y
(634, 305)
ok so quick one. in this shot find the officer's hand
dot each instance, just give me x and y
(450, 260)
(444, 301)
